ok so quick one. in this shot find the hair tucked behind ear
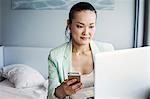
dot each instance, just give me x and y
(81, 6)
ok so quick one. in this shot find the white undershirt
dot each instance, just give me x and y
(88, 80)
(88, 86)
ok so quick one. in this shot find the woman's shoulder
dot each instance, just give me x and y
(59, 50)
(104, 46)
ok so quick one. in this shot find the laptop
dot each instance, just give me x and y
(123, 74)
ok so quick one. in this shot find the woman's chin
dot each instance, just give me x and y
(85, 42)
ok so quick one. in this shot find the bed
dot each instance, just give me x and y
(24, 73)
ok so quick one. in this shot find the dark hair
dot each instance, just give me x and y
(75, 8)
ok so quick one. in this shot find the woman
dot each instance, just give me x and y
(75, 55)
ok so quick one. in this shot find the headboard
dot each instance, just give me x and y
(33, 56)
(1, 56)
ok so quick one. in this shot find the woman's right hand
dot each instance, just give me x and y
(67, 88)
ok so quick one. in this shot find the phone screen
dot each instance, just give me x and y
(74, 75)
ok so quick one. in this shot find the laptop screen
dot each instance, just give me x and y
(123, 74)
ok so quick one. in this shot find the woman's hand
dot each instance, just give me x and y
(68, 88)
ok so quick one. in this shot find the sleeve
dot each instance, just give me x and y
(109, 47)
(105, 47)
(53, 80)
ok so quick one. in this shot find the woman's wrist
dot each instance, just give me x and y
(59, 93)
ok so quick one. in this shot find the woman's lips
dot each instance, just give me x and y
(85, 38)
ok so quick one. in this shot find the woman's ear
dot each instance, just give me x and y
(68, 24)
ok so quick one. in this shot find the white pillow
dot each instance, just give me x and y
(22, 75)
(1, 77)
(0, 72)
(45, 84)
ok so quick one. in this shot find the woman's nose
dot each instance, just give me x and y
(86, 31)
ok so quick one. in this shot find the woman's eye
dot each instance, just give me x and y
(91, 27)
(78, 26)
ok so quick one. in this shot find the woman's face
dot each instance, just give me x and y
(82, 27)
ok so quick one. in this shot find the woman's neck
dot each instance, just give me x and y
(80, 49)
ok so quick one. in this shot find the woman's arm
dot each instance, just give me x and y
(57, 89)
(68, 88)
(53, 78)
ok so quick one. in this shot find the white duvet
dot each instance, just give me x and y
(7, 91)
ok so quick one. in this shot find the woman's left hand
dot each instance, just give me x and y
(68, 88)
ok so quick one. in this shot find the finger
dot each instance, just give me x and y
(75, 86)
(69, 82)
(65, 81)
(79, 88)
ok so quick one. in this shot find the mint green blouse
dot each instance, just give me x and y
(60, 63)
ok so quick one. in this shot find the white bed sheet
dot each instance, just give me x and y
(7, 91)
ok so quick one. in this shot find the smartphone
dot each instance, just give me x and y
(90, 98)
(74, 75)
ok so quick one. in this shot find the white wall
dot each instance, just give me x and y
(45, 28)
(116, 26)
(0, 22)
(42, 28)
